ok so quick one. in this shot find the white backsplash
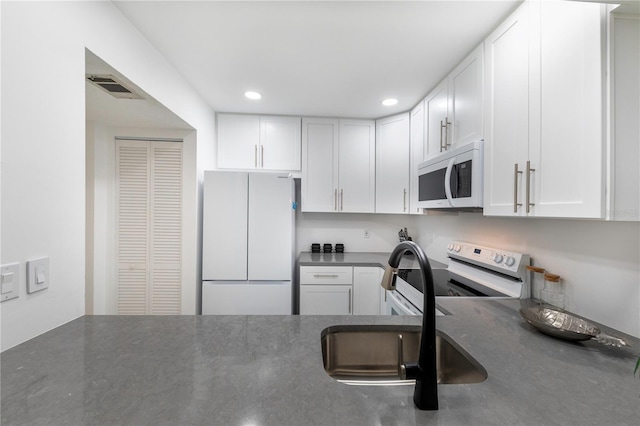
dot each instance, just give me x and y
(349, 230)
(598, 261)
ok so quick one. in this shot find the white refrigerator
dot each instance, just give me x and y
(248, 243)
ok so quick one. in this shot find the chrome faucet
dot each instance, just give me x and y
(425, 394)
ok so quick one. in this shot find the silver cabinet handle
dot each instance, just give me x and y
(255, 156)
(325, 275)
(528, 197)
(444, 125)
(341, 199)
(335, 199)
(349, 300)
(444, 142)
(400, 354)
(262, 156)
(515, 189)
(447, 123)
(404, 200)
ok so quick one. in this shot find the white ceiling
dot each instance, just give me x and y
(315, 57)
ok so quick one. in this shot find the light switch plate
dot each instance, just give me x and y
(37, 274)
(9, 281)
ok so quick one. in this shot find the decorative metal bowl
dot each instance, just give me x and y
(565, 326)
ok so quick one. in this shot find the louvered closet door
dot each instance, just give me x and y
(149, 232)
(166, 228)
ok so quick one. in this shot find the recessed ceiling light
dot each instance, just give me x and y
(389, 102)
(253, 95)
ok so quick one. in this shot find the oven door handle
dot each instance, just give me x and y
(447, 182)
(394, 300)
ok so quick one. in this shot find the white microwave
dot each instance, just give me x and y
(453, 179)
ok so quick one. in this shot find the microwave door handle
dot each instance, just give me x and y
(447, 182)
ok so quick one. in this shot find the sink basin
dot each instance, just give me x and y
(371, 355)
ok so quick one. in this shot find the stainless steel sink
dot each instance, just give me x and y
(372, 355)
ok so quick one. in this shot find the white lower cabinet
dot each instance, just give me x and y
(340, 290)
(366, 290)
(326, 299)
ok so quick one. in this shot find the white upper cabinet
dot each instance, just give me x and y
(416, 156)
(506, 113)
(453, 109)
(238, 141)
(465, 99)
(356, 168)
(339, 165)
(280, 143)
(392, 164)
(319, 186)
(543, 112)
(568, 153)
(624, 191)
(252, 142)
(437, 123)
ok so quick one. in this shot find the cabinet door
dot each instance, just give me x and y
(356, 166)
(506, 115)
(270, 224)
(435, 106)
(238, 141)
(224, 232)
(566, 148)
(279, 143)
(392, 164)
(416, 142)
(625, 133)
(366, 290)
(319, 185)
(325, 299)
(465, 99)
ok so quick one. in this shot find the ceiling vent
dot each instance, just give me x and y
(112, 85)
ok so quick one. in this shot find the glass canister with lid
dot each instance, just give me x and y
(552, 292)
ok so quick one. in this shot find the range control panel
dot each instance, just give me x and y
(506, 262)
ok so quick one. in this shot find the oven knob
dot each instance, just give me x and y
(457, 248)
(450, 247)
(497, 258)
(509, 261)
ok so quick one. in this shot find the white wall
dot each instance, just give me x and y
(43, 142)
(598, 261)
(0, 162)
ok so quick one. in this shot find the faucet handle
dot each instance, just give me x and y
(389, 278)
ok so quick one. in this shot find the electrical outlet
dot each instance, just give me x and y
(366, 233)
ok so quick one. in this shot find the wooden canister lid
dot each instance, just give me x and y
(552, 277)
(535, 269)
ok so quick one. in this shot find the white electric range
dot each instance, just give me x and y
(474, 271)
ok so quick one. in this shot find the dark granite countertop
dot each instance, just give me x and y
(267, 370)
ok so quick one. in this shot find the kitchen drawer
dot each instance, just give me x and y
(326, 275)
